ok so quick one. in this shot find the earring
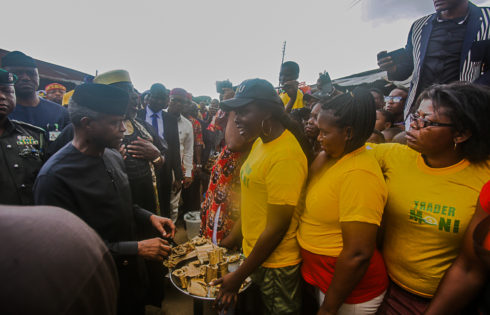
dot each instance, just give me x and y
(263, 131)
(455, 146)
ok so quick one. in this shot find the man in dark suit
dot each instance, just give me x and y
(166, 127)
(87, 178)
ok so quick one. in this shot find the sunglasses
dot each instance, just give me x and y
(422, 122)
(396, 99)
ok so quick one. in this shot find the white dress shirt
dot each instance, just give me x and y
(149, 120)
(186, 139)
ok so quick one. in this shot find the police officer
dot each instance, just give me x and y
(21, 149)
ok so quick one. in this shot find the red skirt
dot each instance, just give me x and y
(318, 271)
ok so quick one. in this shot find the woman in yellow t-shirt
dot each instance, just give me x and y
(345, 198)
(272, 178)
(433, 185)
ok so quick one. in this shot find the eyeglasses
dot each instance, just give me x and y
(395, 99)
(422, 122)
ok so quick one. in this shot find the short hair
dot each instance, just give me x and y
(356, 110)
(389, 117)
(300, 114)
(158, 89)
(192, 110)
(467, 106)
(324, 77)
(291, 65)
(402, 88)
(77, 112)
(376, 90)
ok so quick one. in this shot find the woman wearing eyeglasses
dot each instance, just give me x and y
(433, 184)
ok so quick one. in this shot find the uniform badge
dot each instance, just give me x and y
(26, 140)
(53, 135)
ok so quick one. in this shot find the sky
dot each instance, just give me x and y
(193, 43)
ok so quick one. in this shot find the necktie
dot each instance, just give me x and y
(154, 122)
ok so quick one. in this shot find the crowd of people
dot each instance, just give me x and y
(366, 201)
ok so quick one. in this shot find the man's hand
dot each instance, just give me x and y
(227, 296)
(221, 119)
(123, 151)
(143, 149)
(291, 88)
(187, 182)
(177, 185)
(153, 249)
(385, 62)
(164, 225)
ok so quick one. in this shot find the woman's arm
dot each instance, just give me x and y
(359, 243)
(278, 221)
(464, 278)
(234, 239)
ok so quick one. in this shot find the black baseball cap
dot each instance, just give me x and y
(252, 90)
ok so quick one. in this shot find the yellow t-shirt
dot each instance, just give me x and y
(297, 104)
(350, 189)
(426, 215)
(274, 173)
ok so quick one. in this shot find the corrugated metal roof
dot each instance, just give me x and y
(53, 72)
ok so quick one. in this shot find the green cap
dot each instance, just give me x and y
(7, 78)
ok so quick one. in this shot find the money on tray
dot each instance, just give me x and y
(203, 262)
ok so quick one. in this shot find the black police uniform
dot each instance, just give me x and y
(21, 158)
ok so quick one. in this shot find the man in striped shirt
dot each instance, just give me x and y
(446, 46)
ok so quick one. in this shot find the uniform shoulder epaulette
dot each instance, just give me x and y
(28, 126)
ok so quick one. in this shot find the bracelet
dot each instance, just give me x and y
(158, 159)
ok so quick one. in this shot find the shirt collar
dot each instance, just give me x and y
(458, 21)
(151, 112)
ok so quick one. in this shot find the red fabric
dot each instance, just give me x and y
(223, 191)
(486, 242)
(485, 197)
(318, 270)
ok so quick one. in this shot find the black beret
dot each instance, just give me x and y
(102, 98)
(18, 59)
(7, 78)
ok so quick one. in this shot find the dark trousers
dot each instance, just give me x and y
(191, 197)
(132, 288)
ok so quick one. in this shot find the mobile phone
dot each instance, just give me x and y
(398, 56)
(382, 55)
